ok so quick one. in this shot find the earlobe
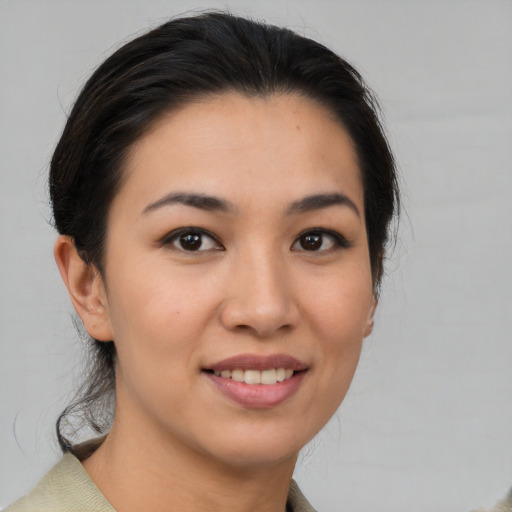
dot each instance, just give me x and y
(85, 287)
(370, 322)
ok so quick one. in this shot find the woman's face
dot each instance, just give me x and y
(236, 253)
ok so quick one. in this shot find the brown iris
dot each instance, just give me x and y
(311, 241)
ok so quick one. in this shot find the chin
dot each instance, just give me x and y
(258, 456)
(260, 447)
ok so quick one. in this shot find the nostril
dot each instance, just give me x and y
(260, 314)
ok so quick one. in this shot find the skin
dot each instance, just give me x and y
(177, 443)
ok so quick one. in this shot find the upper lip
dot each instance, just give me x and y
(258, 362)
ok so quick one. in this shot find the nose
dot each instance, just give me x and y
(261, 300)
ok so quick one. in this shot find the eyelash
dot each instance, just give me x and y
(338, 240)
(175, 237)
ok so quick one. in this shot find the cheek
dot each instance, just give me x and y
(155, 333)
(159, 319)
(341, 304)
(154, 298)
(340, 311)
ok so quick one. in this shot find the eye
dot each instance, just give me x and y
(192, 240)
(320, 240)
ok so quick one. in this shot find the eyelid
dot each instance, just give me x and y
(340, 242)
(169, 238)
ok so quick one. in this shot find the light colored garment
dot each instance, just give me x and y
(504, 505)
(65, 488)
(68, 488)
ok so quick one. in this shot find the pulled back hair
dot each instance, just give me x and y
(164, 69)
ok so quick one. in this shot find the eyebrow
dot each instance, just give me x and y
(211, 203)
(201, 201)
(320, 201)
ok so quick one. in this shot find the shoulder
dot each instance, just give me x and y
(504, 505)
(68, 488)
(296, 500)
(65, 488)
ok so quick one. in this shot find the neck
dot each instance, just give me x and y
(137, 471)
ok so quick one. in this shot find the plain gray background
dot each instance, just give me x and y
(427, 425)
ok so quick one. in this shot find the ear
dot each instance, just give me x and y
(85, 287)
(369, 322)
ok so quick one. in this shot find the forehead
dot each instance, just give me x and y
(234, 144)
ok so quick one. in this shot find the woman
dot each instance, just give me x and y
(223, 191)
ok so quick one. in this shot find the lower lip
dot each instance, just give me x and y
(257, 396)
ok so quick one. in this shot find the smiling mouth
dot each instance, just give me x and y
(257, 381)
(268, 377)
(257, 389)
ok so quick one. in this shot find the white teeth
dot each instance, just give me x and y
(238, 375)
(252, 377)
(272, 376)
(269, 376)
